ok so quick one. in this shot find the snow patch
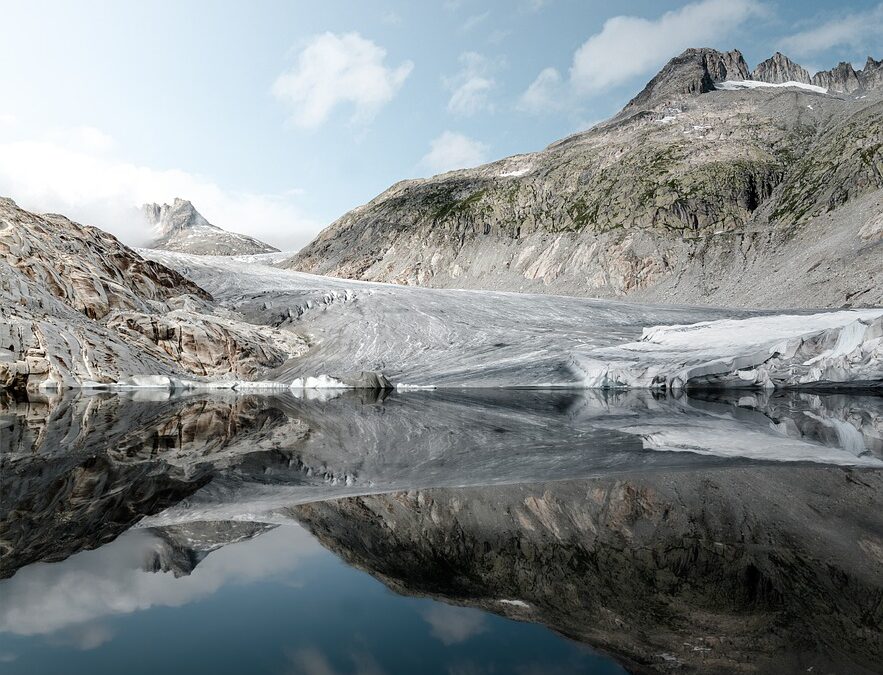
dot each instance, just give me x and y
(516, 173)
(320, 382)
(735, 85)
(767, 351)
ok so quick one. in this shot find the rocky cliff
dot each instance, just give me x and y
(761, 196)
(180, 227)
(80, 307)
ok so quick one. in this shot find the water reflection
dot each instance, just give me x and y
(714, 534)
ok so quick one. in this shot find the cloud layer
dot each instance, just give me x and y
(453, 150)
(73, 174)
(471, 86)
(334, 70)
(859, 30)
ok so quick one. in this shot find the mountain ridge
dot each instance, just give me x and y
(765, 196)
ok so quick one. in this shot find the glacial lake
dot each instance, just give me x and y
(467, 531)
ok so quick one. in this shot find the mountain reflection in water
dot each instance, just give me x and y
(671, 533)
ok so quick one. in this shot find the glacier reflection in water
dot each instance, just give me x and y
(702, 534)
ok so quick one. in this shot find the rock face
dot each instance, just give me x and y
(752, 197)
(841, 79)
(80, 307)
(871, 76)
(779, 69)
(180, 227)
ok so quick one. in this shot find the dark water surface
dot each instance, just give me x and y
(449, 532)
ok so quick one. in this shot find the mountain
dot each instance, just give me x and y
(707, 188)
(180, 227)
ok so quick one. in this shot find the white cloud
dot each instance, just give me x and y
(72, 174)
(7, 119)
(858, 30)
(471, 85)
(335, 70)
(453, 625)
(451, 151)
(545, 94)
(497, 35)
(67, 601)
(628, 46)
(474, 20)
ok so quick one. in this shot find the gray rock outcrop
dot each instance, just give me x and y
(693, 72)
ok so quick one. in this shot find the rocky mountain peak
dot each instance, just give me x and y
(779, 69)
(693, 72)
(178, 216)
(871, 76)
(840, 79)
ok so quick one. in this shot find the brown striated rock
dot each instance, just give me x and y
(208, 345)
(80, 307)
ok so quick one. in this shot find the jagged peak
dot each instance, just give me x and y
(842, 78)
(175, 217)
(779, 69)
(694, 71)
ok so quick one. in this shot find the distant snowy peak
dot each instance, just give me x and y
(180, 227)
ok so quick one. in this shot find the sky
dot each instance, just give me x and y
(275, 118)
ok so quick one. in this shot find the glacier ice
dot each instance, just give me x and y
(453, 338)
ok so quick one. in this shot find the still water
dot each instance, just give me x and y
(450, 532)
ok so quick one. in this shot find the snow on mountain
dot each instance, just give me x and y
(734, 85)
(180, 227)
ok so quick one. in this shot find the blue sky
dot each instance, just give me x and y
(277, 117)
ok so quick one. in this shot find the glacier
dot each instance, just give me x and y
(424, 338)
